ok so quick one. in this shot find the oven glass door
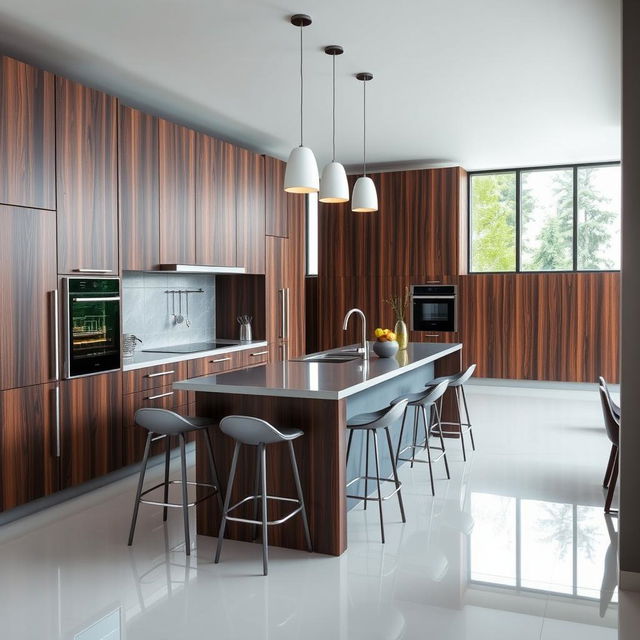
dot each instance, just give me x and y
(93, 326)
(434, 314)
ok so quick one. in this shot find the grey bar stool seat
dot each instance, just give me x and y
(259, 433)
(371, 423)
(162, 423)
(421, 403)
(456, 382)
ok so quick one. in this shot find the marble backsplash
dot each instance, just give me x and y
(147, 310)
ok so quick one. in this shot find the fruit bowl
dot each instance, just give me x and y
(386, 349)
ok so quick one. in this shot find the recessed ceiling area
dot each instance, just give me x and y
(484, 84)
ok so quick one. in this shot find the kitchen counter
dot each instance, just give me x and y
(319, 398)
(140, 359)
(327, 381)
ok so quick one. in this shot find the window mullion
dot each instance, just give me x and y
(575, 218)
(517, 220)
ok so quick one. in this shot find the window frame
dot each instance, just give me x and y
(518, 175)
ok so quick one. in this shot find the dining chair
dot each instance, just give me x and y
(612, 425)
(616, 412)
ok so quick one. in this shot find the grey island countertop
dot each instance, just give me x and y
(322, 380)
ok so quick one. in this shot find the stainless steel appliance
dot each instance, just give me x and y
(434, 307)
(92, 325)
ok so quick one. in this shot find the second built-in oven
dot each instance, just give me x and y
(434, 307)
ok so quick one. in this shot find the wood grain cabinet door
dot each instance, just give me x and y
(250, 222)
(28, 462)
(91, 427)
(27, 135)
(138, 190)
(87, 178)
(277, 223)
(27, 285)
(177, 149)
(215, 202)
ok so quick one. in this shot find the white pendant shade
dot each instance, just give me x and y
(301, 175)
(333, 185)
(365, 197)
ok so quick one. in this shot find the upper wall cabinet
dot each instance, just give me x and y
(275, 198)
(86, 154)
(27, 135)
(177, 149)
(138, 190)
(250, 208)
(215, 202)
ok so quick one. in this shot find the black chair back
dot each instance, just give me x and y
(614, 407)
(611, 422)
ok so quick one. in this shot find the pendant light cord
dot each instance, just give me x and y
(364, 128)
(301, 91)
(334, 107)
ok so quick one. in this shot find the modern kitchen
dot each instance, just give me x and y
(314, 327)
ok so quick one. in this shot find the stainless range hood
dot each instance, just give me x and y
(199, 268)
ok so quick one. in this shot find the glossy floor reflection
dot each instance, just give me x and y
(515, 546)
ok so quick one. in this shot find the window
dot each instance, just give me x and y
(545, 219)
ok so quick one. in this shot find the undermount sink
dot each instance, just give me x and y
(329, 357)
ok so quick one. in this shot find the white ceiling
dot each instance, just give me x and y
(480, 83)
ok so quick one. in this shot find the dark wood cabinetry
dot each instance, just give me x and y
(177, 157)
(28, 437)
(215, 202)
(27, 285)
(138, 189)
(91, 427)
(277, 222)
(250, 211)
(27, 135)
(86, 176)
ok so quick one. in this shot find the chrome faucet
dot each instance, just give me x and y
(364, 349)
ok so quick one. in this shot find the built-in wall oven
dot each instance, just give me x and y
(91, 325)
(434, 307)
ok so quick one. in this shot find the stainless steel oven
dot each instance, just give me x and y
(91, 325)
(434, 307)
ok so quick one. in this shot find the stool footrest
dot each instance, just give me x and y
(175, 505)
(374, 479)
(269, 522)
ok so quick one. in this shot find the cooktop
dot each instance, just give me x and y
(192, 347)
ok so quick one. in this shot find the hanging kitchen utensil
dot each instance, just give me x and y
(179, 317)
(186, 317)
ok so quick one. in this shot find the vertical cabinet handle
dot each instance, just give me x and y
(285, 315)
(56, 417)
(55, 330)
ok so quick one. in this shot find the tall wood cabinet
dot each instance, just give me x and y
(250, 211)
(138, 190)
(27, 285)
(27, 135)
(277, 221)
(86, 176)
(177, 149)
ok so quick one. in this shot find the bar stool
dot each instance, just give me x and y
(420, 402)
(162, 423)
(259, 433)
(371, 423)
(456, 382)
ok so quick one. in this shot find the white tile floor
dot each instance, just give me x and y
(514, 546)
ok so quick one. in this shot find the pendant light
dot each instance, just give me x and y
(364, 198)
(301, 175)
(333, 185)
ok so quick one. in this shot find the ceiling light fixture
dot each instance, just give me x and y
(364, 198)
(334, 187)
(301, 175)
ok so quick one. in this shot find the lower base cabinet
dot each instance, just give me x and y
(28, 444)
(91, 427)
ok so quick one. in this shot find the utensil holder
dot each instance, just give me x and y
(245, 333)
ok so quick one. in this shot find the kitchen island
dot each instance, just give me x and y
(317, 395)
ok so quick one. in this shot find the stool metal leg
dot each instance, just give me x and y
(366, 471)
(167, 462)
(424, 417)
(612, 484)
(466, 410)
(444, 453)
(185, 496)
(256, 492)
(263, 491)
(349, 443)
(457, 394)
(395, 474)
(143, 469)
(375, 447)
(415, 435)
(212, 466)
(607, 473)
(227, 500)
(296, 477)
(404, 417)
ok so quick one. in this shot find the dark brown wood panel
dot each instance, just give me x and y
(27, 135)
(153, 377)
(28, 462)
(91, 426)
(214, 364)
(27, 282)
(86, 175)
(138, 190)
(277, 222)
(321, 455)
(215, 202)
(240, 295)
(250, 211)
(177, 161)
